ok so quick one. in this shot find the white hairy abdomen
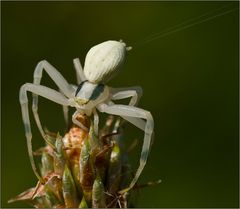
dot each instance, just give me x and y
(103, 60)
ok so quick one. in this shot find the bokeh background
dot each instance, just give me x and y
(189, 77)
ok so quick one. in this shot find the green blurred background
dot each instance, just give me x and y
(189, 77)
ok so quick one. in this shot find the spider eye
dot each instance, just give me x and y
(103, 61)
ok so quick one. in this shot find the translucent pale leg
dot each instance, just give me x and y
(66, 108)
(96, 121)
(60, 81)
(129, 111)
(134, 92)
(79, 70)
(65, 115)
(78, 123)
(138, 122)
(44, 92)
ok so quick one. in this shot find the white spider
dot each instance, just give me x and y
(101, 63)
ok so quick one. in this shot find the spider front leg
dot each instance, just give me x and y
(60, 81)
(134, 112)
(77, 122)
(44, 92)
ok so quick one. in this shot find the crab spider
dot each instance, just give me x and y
(90, 96)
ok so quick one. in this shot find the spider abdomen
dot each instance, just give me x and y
(103, 60)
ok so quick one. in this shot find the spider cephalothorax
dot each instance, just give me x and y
(90, 96)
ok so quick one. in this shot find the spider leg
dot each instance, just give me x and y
(96, 121)
(130, 111)
(79, 70)
(44, 92)
(60, 81)
(65, 115)
(77, 122)
(66, 109)
(56, 76)
(134, 92)
(138, 122)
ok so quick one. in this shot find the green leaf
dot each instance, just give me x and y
(98, 194)
(47, 164)
(69, 189)
(87, 173)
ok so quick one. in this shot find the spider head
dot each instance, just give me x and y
(104, 60)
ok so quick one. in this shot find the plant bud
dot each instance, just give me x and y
(69, 189)
(98, 195)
